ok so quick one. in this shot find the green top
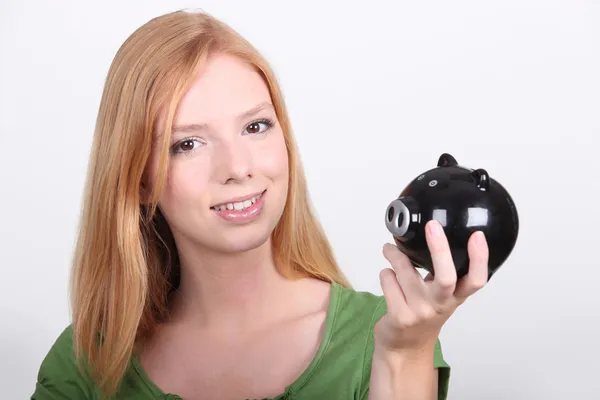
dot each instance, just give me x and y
(340, 370)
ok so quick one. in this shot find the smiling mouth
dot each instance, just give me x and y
(238, 205)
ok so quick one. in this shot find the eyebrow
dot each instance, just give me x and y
(246, 114)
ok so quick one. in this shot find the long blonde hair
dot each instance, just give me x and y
(125, 262)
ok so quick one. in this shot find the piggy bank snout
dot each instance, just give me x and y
(397, 217)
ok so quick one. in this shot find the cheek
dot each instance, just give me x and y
(186, 184)
(272, 159)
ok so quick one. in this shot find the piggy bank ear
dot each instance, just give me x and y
(482, 178)
(446, 160)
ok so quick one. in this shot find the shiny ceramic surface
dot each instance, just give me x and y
(463, 200)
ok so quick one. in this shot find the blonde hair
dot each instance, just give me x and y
(125, 262)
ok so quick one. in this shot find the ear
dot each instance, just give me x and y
(144, 190)
(144, 195)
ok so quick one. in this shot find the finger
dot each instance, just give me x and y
(444, 281)
(477, 276)
(392, 292)
(407, 276)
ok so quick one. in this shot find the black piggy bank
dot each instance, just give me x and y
(463, 200)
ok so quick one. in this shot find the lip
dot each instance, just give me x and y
(239, 199)
(245, 216)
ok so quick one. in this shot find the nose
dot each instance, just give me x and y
(234, 161)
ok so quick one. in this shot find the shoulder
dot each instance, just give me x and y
(353, 318)
(357, 311)
(59, 375)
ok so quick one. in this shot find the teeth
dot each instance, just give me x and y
(238, 206)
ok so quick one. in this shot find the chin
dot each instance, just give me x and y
(225, 241)
(233, 245)
(231, 239)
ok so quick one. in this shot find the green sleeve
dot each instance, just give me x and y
(438, 361)
(443, 371)
(59, 377)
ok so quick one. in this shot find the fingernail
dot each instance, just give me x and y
(435, 228)
(479, 238)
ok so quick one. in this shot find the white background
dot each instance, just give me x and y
(377, 91)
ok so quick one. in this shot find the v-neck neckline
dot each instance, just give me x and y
(295, 386)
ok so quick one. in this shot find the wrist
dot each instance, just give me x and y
(423, 350)
(401, 374)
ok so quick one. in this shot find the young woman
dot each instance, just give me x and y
(200, 270)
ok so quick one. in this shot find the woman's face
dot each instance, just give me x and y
(228, 176)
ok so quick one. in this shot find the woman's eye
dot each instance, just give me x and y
(186, 146)
(258, 127)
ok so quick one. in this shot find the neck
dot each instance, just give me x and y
(228, 291)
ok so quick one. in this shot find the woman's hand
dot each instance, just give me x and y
(417, 308)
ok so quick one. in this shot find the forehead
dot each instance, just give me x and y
(223, 88)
